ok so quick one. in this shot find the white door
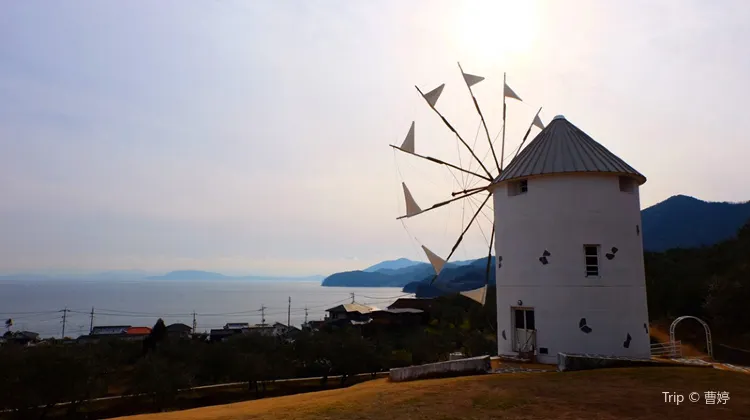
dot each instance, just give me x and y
(524, 336)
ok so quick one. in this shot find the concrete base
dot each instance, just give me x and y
(470, 366)
(514, 358)
(571, 362)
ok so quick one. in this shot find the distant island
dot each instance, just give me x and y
(414, 275)
(678, 222)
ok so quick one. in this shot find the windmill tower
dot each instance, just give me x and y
(570, 274)
(569, 255)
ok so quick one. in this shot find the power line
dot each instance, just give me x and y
(29, 313)
(142, 313)
(64, 319)
(387, 297)
(92, 313)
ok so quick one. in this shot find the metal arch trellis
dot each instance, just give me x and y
(709, 341)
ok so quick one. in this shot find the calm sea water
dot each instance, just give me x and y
(37, 305)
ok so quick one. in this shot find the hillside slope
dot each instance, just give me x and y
(619, 394)
(687, 222)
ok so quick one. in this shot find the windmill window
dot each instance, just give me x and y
(591, 255)
(627, 184)
(518, 187)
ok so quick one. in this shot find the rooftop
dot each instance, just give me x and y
(179, 327)
(399, 311)
(351, 307)
(415, 303)
(109, 329)
(564, 148)
(138, 331)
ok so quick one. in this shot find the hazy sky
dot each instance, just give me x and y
(252, 136)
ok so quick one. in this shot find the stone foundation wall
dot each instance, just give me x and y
(571, 362)
(470, 366)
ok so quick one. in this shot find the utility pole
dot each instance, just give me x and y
(64, 320)
(262, 315)
(305, 314)
(194, 323)
(352, 297)
(289, 313)
(91, 323)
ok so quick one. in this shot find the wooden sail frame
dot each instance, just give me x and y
(407, 147)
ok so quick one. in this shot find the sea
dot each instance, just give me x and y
(41, 305)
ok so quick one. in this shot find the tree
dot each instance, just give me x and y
(160, 378)
(727, 299)
(158, 334)
(350, 353)
(35, 379)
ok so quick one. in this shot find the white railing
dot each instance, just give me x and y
(671, 349)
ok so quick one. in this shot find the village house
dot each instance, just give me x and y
(280, 329)
(234, 328)
(23, 338)
(222, 334)
(125, 332)
(355, 313)
(403, 312)
(315, 325)
(179, 330)
(260, 329)
(398, 317)
(236, 325)
(109, 330)
(137, 333)
(424, 304)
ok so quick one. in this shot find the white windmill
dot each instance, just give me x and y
(567, 231)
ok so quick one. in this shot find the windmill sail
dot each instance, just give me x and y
(538, 122)
(509, 93)
(479, 295)
(437, 262)
(412, 208)
(432, 96)
(471, 79)
(408, 144)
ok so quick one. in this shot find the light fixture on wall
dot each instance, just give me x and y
(520, 303)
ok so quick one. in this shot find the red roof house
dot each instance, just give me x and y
(138, 331)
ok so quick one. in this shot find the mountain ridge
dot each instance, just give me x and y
(680, 221)
(683, 221)
(391, 265)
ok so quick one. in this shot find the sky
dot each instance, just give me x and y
(252, 136)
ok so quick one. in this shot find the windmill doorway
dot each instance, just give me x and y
(524, 330)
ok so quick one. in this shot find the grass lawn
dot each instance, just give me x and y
(626, 393)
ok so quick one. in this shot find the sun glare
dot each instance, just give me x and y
(497, 27)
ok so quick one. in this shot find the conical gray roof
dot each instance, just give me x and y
(562, 148)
